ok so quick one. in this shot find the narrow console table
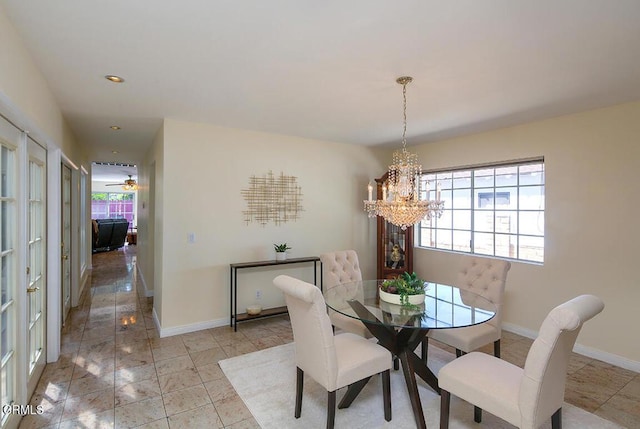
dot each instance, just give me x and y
(233, 287)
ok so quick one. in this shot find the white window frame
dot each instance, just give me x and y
(520, 189)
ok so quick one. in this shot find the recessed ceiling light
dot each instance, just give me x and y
(114, 78)
(115, 127)
(114, 151)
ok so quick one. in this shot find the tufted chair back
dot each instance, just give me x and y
(314, 341)
(545, 370)
(333, 361)
(338, 268)
(525, 397)
(341, 266)
(486, 277)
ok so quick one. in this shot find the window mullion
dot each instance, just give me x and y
(495, 212)
(472, 244)
(518, 214)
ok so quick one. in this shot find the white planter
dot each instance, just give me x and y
(392, 298)
(281, 256)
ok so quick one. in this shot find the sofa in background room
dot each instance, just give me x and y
(108, 234)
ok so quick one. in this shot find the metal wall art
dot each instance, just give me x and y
(272, 198)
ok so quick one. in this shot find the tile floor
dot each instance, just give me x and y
(114, 371)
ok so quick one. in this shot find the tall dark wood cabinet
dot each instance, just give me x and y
(395, 246)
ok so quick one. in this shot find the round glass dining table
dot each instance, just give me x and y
(401, 328)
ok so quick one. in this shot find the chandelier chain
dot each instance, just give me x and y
(404, 116)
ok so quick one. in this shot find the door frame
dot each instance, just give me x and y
(33, 379)
(66, 243)
(80, 223)
(74, 243)
(54, 295)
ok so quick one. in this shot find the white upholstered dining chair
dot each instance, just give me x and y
(486, 277)
(340, 267)
(525, 397)
(333, 361)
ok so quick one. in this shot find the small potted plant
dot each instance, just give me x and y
(281, 251)
(407, 289)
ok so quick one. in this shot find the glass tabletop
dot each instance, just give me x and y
(443, 306)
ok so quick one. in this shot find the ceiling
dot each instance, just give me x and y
(326, 70)
(113, 173)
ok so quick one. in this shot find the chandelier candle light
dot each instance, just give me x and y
(401, 204)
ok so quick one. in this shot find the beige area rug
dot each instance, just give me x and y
(265, 380)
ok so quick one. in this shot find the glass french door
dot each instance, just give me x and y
(9, 141)
(36, 264)
(66, 242)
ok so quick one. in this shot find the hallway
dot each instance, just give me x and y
(114, 371)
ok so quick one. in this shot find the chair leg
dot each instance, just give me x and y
(445, 400)
(299, 386)
(331, 409)
(556, 419)
(496, 348)
(477, 414)
(425, 348)
(386, 394)
(396, 363)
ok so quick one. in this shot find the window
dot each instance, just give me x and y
(490, 210)
(106, 205)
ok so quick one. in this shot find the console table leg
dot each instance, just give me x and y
(235, 301)
(231, 297)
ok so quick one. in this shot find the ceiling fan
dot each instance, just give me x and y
(129, 184)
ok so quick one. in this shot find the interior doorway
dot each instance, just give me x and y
(114, 211)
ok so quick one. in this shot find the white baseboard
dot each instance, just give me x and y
(185, 329)
(591, 352)
(528, 333)
(147, 293)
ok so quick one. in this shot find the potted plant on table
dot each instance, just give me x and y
(407, 289)
(281, 251)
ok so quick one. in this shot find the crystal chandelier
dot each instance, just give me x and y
(401, 204)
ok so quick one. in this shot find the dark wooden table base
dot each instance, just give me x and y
(402, 343)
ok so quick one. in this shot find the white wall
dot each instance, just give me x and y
(592, 232)
(24, 88)
(205, 169)
(150, 235)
